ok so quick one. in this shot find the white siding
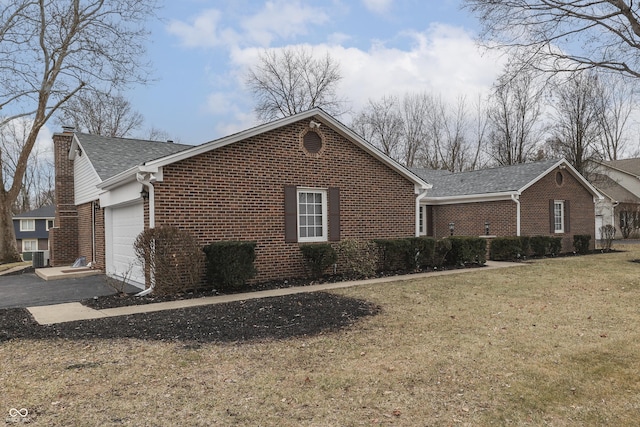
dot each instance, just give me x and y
(85, 180)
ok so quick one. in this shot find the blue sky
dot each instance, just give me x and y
(201, 51)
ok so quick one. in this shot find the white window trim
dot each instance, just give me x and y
(22, 228)
(561, 204)
(46, 221)
(325, 216)
(35, 241)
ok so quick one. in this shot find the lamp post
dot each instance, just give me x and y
(451, 227)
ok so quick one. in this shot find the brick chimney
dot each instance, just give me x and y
(63, 238)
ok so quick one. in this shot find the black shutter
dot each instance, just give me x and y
(429, 220)
(290, 214)
(567, 216)
(334, 214)
(552, 217)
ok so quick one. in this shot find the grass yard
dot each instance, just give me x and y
(554, 343)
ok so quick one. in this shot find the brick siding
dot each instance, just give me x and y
(63, 238)
(469, 219)
(236, 192)
(535, 208)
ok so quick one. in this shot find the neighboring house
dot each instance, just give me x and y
(619, 181)
(32, 231)
(304, 178)
(541, 198)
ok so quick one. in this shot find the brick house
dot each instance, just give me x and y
(540, 198)
(304, 178)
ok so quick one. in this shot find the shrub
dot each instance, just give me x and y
(395, 254)
(466, 250)
(508, 248)
(555, 245)
(318, 256)
(172, 258)
(421, 252)
(608, 233)
(581, 243)
(357, 258)
(230, 264)
(442, 248)
(540, 245)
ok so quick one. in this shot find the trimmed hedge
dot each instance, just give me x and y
(422, 251)
(546, 245)
(581, 243)
(466, 250)
(509, 248)
(395, 254)
(318, 257)
(230, 264)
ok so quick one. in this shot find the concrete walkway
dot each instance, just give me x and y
(68, 312)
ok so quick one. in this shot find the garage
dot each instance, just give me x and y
(123, 224)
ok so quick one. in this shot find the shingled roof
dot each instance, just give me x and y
(110, 156)
(486, 181)
(48, 211)
(631, 166)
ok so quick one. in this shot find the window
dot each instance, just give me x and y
(312, 215)
(558, 216)
(27, 225)
(49, 224)
(421, 227)
(29, 245)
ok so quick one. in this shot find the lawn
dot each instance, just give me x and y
(555, 343)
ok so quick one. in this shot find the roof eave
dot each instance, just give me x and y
(470, 198)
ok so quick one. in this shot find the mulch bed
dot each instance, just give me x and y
(283, 317)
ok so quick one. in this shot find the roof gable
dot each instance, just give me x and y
(505, 180)
(630, 166)
(315, 114)
(111, 156)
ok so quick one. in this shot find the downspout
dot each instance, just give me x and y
(146, 180)
(516, 199)
(421, 196)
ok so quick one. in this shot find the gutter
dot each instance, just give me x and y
(516, 199)
(147, 179)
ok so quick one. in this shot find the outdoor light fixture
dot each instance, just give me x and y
(451, 227)
(144, 193)
(486, 228)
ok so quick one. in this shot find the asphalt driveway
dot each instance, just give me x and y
(28, 290)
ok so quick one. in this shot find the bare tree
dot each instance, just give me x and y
(564, 35)
(576, 130)
(415, 108)
(381, 124)
(49, 51)
(100, 113)
(291, 80)
(448, 126)
(615, 103)
(514, 117)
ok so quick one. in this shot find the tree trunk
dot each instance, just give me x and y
(8, 246)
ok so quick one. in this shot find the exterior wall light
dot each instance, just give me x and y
(451, 228)
(486, 228)
(144, 193)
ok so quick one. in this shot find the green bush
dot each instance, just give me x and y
(467, 250)
(442, 248)
(555, 246)
(507, 248)
(357, 258)
(581, 243)
(317, 257)
(540, 245)
(395, 254)
(230, 264)
(422, 251)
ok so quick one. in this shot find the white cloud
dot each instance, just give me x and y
(378, 6)
(203, 31)
(282, 18)
(443, 60)
(278, 19)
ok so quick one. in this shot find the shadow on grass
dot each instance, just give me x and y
(289, 316)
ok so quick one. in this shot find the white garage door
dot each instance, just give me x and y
(123, 224)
